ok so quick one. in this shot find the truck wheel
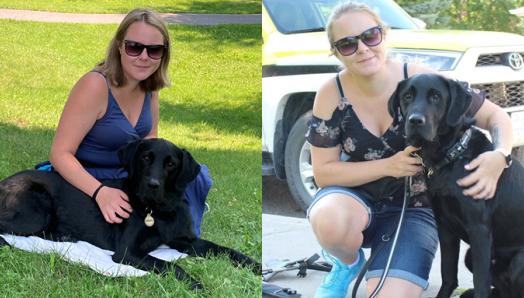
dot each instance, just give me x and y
(299, 171)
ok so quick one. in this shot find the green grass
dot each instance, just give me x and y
(123, 6)
(213, 109)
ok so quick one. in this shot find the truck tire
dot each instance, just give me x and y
(299, 171)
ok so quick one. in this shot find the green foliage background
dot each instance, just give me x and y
(486, 15)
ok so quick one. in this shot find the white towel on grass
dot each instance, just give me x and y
(87, 254)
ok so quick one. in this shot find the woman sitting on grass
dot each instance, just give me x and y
(112, 105)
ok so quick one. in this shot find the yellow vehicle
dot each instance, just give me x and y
(296, 60)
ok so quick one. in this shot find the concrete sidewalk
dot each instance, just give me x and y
(291, 238)
(179, 18)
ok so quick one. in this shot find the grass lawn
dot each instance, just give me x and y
(213, 109)
(123, 6)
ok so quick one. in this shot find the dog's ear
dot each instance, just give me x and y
(188, 170)
(126, 153)
(459, 102)
(394, 100)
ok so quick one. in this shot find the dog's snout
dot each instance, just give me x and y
(417, 119)
(153, 183)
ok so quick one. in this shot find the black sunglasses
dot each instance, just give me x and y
(349, 45)
(134, 49)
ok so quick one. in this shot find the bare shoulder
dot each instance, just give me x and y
(89, 95)
(93, 83)
(326, 99)
(90, 88)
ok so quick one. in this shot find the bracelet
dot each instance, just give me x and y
(96, 191)
(507, 156)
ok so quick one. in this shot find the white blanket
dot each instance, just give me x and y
(87, 254)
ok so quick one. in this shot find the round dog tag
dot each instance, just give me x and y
(149, 220)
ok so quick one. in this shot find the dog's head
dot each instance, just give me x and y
(157, 166)
(431, 104)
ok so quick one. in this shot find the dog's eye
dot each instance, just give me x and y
(146, 158)
(434, 97)
(170, 164)
(407, 96)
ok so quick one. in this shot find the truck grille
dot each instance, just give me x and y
(492, 59)
(489, 59)
(508, 94)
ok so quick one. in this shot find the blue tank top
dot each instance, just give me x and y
(98, 151)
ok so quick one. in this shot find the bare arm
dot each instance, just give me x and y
(486, 169)
(493, 118)
(86, 103)
(330, 171)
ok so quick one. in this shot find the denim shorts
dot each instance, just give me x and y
(417, 241)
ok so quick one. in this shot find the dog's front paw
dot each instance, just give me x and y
(249, 262)
(180, 274)
(194, 284)
(255, 266)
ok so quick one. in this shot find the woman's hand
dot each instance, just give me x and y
(114, 204)
(486, 169)
(402, 164)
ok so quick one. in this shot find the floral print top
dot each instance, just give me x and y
(358, 144)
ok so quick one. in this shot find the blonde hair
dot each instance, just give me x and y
(347, 7)
(111, 67)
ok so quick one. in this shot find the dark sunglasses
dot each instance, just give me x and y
(349, 45)
(134, 49)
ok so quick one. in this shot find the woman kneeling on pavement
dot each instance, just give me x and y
(355, 142)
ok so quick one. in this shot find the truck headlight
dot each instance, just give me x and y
(438, 60)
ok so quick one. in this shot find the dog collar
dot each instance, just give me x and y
(454, 152)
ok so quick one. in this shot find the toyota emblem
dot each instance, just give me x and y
(514, 60)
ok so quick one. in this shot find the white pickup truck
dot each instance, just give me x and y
(296, 60)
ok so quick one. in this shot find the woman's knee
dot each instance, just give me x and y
(336, 220)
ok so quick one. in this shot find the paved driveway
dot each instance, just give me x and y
(178, 18)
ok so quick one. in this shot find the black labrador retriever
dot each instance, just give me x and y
(43, 203)
(435, 109)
